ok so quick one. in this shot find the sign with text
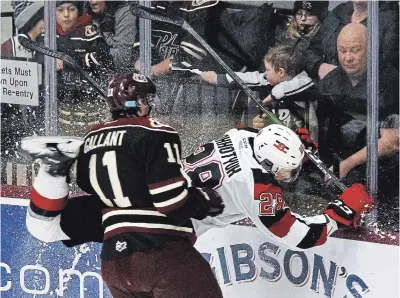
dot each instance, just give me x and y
(19, 82)
(31, 268)
(245, 262)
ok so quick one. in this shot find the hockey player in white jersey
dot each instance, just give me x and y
(245, 167)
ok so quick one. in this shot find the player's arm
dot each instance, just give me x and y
(51, 216)
(307, 232)
(81, 220)
(49, 198)
(168, 184)
(98, 51)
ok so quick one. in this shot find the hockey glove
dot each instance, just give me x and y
(209, 202)
(351, 204)
(305, 138)
(308, 143)
(214, 201)
(57, 152)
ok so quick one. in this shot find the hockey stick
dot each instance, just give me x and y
(196, 71)
(29, 44)
(184, 66)
(148, 13)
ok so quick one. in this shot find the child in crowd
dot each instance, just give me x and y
(293, 96)
(297, 31)
(79, 106)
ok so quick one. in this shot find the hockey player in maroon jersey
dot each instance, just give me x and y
(246, 166)
(139, 203)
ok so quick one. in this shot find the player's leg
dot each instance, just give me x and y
(189, 274)
(123, 277)
(174, 270)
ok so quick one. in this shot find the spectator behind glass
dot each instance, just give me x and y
(79, 104)
(17, 120)
(321, 57)
(29, 23)
(348, 86)
(306, 21)
(293, 97)
(171, 44)
(118, 26)
(291, 88)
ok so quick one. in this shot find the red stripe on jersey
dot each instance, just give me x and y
(140, 121)
(165, 182)
(174, 207)
(107, 210)
(323, 237)
(46, 203)
(122, 230)
(282, 227)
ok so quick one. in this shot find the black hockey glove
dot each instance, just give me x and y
(209, 202)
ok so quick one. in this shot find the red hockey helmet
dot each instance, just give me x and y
(125, 91)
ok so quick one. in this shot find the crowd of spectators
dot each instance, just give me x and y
(319, 55)
(336, 56)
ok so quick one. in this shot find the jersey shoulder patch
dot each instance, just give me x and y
(157, 124)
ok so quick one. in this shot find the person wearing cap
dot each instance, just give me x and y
(302, 27)
(307, 18)
(29, 23)
(19, 120)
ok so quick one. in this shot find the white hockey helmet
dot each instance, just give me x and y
(279, 150)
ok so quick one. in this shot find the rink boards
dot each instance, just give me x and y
(245, 262)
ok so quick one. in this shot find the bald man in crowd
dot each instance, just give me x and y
(350, 78)
(347, 113)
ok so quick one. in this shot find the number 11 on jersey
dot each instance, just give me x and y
(110, 162)
(171, 157)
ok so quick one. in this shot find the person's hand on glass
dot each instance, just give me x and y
(209, 76)
(59, 64)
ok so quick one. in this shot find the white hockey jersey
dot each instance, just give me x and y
(228, 166)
